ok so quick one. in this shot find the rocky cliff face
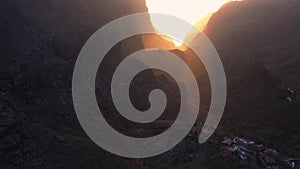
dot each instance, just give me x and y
(40, 41)
(265, 31)
(258, 42)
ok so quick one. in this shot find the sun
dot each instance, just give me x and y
(189, 10)
(177, 43)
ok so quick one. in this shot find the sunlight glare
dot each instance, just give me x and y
(188, 10)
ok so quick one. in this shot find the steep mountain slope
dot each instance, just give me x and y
(267, 30)
(258, 42)
(40, 41)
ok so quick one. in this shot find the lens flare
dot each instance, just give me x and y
(189, 10)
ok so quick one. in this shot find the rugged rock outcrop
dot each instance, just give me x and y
(258, 42)
(40, 41)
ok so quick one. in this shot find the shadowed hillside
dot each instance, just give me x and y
(259, 44)
(40, 41)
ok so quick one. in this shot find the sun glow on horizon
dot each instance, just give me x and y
(189, 10)
(177, 43)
